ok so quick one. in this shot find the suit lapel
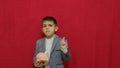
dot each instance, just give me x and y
(43, 44)
(54, 43)
(43, 47)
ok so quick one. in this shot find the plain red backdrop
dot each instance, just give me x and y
(92, 28)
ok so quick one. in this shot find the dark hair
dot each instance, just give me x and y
(49, 18)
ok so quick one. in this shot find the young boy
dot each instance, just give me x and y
(56, 48)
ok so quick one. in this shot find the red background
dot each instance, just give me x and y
(92, 28)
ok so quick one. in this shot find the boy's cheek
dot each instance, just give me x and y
(43, 30)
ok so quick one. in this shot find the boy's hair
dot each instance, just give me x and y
(49, 18)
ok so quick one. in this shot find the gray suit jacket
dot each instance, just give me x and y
(57, 56)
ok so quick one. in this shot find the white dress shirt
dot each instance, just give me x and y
(48, 45)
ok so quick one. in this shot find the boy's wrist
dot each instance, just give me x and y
(64, 50)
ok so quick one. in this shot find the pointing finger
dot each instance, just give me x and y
(63, 38)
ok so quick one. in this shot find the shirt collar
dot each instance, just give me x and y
(51, 38)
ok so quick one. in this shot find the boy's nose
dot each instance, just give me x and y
(47, 27)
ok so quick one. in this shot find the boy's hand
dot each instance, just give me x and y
(63, 43)
(39, 64)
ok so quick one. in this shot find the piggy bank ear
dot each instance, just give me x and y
(46, 52)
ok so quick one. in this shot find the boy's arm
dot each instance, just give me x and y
(36, 52)
(64, 50)
(66, 55)
(37, 65)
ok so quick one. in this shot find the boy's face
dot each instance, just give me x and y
(49, 28)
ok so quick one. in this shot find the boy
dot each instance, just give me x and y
(56, 48)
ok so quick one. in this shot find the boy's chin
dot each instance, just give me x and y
(49, 36)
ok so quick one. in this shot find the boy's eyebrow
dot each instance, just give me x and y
(49, 23)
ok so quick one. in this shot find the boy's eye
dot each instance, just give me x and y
(44, 25)
(50, 25)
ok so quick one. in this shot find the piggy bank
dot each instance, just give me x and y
(42, 57)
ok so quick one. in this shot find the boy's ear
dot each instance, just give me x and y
(56, 28)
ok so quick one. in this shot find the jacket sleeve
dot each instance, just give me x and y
(66, 56)
(36, 51)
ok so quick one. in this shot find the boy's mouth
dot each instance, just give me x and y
(47, 31)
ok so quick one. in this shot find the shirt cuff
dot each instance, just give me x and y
(64, 50)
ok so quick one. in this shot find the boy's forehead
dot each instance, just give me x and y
(48, 22)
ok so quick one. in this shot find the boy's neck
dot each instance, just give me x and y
(50, 36)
